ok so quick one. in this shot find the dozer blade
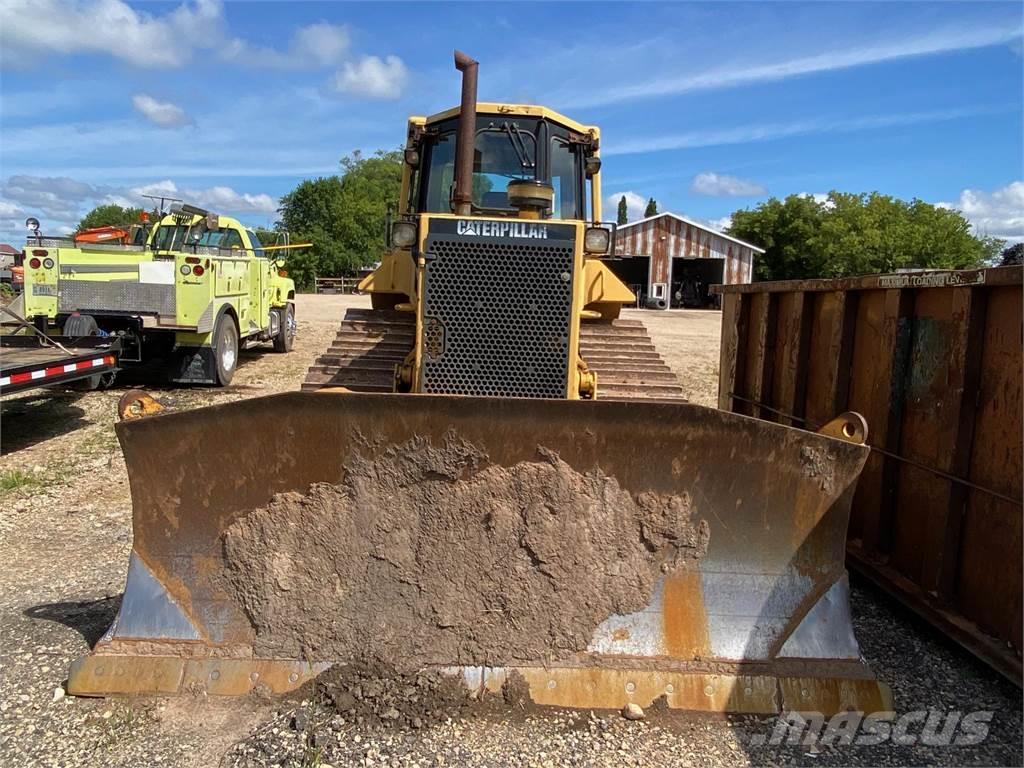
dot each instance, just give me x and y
(597, 553)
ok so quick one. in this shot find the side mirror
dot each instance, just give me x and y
(412, 157)
(591, 165)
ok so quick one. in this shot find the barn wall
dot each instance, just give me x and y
(665, 238)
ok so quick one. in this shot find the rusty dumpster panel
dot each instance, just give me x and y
(933, 361)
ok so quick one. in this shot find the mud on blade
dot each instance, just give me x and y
(605, 551)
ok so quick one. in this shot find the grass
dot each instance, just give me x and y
(16, 480)
(121, 725)
(312, 753)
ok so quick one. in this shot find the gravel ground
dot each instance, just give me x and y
(64, 541)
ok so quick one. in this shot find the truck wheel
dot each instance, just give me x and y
(77, 327)
(285, 339)
(225, 349)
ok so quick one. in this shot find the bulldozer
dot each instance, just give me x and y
(490, 474)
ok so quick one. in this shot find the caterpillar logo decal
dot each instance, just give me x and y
(517, 229)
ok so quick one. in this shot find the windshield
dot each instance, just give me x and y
(502, 154)
(257, 246)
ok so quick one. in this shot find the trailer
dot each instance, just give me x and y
(27, 362)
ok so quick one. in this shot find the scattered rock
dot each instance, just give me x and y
(633, 712)
(58, 693)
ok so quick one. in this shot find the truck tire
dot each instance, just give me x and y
(285, 339)
(225, 350)
(78, 327)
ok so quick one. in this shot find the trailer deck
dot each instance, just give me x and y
(25, 363)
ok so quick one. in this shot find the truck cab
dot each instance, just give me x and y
(199, 288)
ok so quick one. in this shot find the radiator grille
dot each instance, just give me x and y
(497, 315)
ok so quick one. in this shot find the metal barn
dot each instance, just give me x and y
(685, 258)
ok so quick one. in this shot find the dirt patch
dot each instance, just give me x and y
(820, 465)
(430, 555)
(375, 696)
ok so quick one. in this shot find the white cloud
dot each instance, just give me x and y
(930, 43)
(12, 222)
(722, 185)
(60, 202)
(995, 214)
(324, 43)
(50, 196)
(372, 77)
(747, 134)
(821, 198)
(719, 225)
(221, 199)
(635, 205)
(34, 28)
(315, 45)
(161, 113)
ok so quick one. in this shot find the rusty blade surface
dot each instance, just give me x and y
(763, 613)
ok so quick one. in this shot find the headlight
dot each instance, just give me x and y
(185, 269)
(403, 234)
(48, 263)
(596, 240)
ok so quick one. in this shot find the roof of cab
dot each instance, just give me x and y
(498, 108)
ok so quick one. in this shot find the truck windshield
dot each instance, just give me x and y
(503, 153)
(257, 246)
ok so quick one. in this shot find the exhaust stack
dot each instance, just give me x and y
(466, 136)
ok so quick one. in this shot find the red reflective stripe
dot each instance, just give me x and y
(59, 370)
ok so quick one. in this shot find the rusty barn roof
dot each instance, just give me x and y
(692, 223)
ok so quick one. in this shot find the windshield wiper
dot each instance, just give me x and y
(515, 136)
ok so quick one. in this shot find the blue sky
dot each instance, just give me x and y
(706, 107)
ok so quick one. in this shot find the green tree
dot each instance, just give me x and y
(343, 216)
(109, 216)
(1012, 255)
(623, 217)
(857, 234)
(652, 208)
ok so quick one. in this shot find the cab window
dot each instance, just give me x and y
(565, 176)
(208, 239)
(257, 245)
(232, 239)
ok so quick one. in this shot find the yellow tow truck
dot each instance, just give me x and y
(199, 288)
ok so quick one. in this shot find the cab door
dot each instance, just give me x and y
(259, 283)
